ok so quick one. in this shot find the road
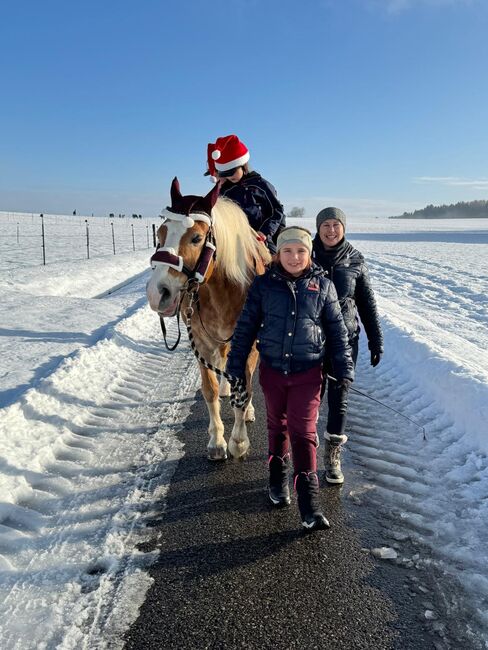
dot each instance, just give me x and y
(234, 573)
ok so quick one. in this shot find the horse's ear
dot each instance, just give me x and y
(211, 199)
(175, 191)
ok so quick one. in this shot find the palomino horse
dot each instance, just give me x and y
(208, 254)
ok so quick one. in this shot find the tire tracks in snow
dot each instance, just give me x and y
(429, 510)
(99, 452)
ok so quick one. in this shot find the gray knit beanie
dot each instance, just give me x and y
(330, 213)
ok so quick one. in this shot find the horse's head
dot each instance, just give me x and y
(185, 250)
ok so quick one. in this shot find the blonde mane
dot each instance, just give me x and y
(237, 245)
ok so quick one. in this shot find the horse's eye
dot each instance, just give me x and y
(196, 239)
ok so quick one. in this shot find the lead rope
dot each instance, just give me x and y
(373, 399)
(170, 348)
(239, 396)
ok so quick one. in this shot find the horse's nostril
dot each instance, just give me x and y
(165, 293)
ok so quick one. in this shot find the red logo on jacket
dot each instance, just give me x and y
(313, 286)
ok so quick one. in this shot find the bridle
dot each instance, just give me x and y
(195, 277)
(168, 257)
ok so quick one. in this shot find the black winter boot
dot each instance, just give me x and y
(307, 487)
(279, 490)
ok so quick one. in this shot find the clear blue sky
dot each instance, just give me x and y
(377, 106)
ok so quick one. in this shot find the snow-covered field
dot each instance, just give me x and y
(90, 401)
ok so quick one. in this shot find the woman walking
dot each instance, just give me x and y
(346, 268)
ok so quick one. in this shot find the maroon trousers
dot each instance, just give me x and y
(292, 403)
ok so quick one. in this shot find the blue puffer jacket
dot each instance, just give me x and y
(291, 318)
(257, 198)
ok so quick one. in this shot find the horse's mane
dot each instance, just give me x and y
(237, 245)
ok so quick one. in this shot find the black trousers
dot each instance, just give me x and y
(336, 397)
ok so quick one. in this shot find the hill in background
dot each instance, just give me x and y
(461, 210)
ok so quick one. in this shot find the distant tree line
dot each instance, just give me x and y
(296, 213)
(461, 210)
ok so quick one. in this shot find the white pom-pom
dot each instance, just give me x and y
(216, 154)
(213, 179)
(188, 222)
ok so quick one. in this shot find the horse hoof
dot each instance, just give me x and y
(238, 449)
(216, 453)
(250, 415)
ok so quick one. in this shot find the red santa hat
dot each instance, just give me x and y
(226, 154)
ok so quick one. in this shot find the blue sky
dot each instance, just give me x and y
(377, 106)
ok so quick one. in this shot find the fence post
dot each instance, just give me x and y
(147, 235)
(133, 242)
(154, 234)
(43, 241)
(113, 236)
(87, 241)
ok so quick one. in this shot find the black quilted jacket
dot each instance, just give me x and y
(345, 266)
(257, 198)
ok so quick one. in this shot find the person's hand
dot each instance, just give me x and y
(375, 358)
(343, 383)
(261, 236)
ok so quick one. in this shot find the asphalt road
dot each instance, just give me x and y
(235, 573)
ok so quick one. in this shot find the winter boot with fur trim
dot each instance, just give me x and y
(307, 487)
(332, 458)
(279, 489)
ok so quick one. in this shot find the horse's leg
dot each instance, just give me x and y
(250, 414)
(217, 447)
(224, 390)
(239, 440)
(252, 361)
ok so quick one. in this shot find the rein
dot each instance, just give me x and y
(239, 397)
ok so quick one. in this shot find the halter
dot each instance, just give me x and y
(167, 256)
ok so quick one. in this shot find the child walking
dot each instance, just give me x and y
(292, 313)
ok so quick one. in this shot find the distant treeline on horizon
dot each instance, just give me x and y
(461, 210)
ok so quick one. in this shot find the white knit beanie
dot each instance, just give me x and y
(295, 235)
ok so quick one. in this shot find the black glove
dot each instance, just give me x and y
(375, 358)
(343, 383)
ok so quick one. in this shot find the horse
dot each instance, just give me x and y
(206, 259)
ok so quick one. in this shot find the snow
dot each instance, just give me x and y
(90, 401)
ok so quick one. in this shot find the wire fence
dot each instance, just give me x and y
(39, 239)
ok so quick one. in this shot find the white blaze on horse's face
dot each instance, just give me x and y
(163, 288)
(176, 249)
